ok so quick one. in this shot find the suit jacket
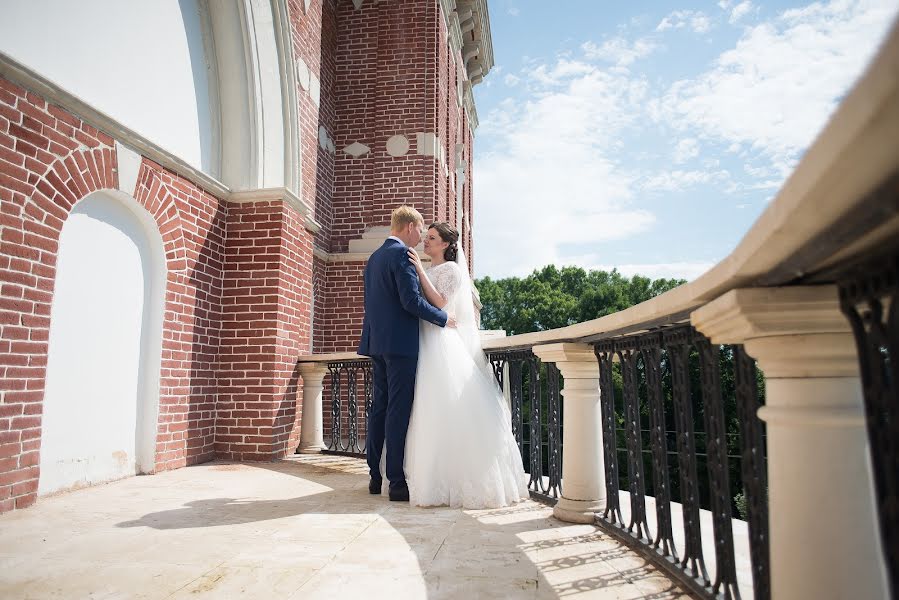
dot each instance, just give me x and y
(394, 304)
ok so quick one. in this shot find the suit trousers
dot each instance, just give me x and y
(393, 383)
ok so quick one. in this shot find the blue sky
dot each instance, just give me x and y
(648, 136)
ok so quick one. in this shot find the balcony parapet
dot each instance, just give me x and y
(819, 266)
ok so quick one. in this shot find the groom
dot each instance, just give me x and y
(393, 306)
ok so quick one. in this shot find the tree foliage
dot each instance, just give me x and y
(554, 297)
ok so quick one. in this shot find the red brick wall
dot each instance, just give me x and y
(49, 160)
(342, 293)
(393, 76)
(241, 279)
(267, 318)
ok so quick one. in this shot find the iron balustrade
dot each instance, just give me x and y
(869, 297)
(663, 391)
(671, 380)
(348, 420)
(535, 404)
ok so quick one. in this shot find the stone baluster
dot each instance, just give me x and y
(583, 482)
(823, 536)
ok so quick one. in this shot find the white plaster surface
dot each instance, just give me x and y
(128, 164)
(356, 149)
(303, 73)
(302, 528)
(101, 398)
(397, 145)
(315, 89)
(142, 63)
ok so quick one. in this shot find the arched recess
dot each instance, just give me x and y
(256, 75)
(101, 400)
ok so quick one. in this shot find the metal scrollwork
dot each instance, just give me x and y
(347, 414)
(870, 299)
(636, 486)
(678, 347)
(612, 513)
(650, 347)
(554, 431)
(755, 472)
(716, 449)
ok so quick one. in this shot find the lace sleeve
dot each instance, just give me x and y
(445, 279)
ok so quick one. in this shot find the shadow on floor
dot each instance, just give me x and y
(518, 551)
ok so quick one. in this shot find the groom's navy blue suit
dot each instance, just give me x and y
(393, 306)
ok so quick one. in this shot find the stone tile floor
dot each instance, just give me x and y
(302, 528)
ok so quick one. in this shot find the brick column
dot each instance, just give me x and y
(266, 316)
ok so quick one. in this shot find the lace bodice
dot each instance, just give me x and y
(446, 278)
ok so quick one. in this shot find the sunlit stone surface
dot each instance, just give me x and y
(303, 528)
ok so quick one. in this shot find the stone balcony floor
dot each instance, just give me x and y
(302, 528)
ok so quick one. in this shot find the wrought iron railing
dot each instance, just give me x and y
(535, 404)
(869, 296)
(675, 376)
(348, 388)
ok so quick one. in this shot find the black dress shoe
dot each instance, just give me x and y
(399, 494)
(374, 486)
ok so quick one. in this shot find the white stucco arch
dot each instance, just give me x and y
(205, 87)
(257, 85)
(101, 401)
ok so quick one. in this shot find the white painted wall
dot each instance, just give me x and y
(142, 63)
(102, 395)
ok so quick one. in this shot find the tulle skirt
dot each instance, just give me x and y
(460, 451)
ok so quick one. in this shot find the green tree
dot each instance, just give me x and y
(554, 297)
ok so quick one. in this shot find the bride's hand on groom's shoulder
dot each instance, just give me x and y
(415, 260)
(451, 322)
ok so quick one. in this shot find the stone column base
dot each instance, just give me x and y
(578, 511)
(311, 449)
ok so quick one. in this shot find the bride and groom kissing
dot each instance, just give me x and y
(439, 429)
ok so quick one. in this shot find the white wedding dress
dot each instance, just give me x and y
(460, 451)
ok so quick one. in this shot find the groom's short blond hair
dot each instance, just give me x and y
(402, 216)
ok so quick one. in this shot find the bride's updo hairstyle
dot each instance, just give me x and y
(449, 235)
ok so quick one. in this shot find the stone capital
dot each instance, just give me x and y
(791, 331)
(313, 373)
(575, 361)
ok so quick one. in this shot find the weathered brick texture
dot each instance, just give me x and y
(394, 76)
(249, 288)
(49, 160)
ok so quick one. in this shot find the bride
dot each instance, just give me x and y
(460, 451)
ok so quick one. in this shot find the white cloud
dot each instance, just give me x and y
(696, 20)
(552, 168)
(676, 180)
(511, 80)
(671, 270)
(551, 177)
(514, 11)
(618, 51)
(772, 92)
(685, 150)
(740, 11)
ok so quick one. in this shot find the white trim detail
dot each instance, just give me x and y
(274, 195)
(128, 163)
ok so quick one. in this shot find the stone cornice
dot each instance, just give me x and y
(744, 314)
(479, 44)
(792, 331)
(469, 37)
